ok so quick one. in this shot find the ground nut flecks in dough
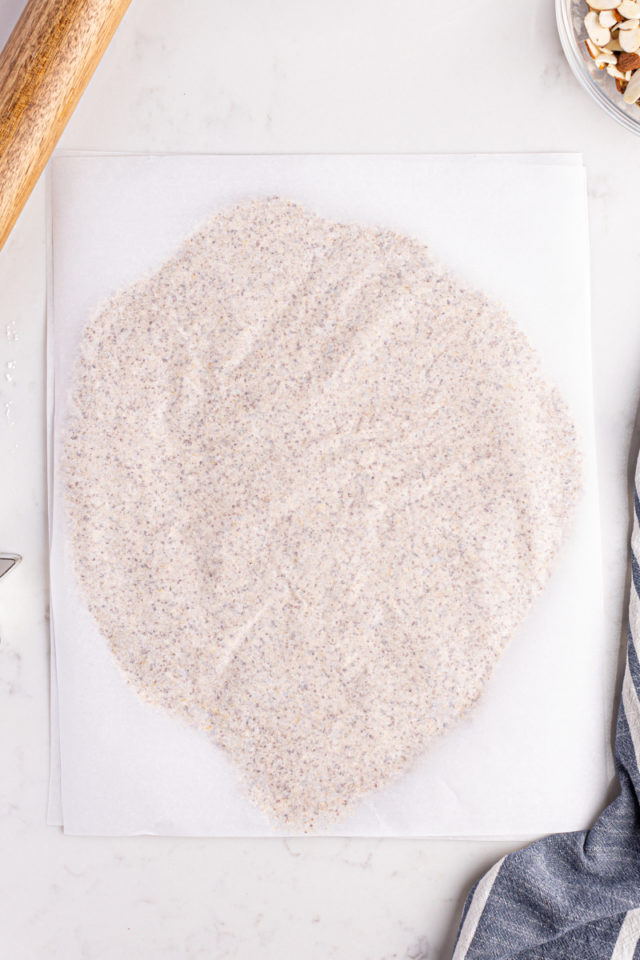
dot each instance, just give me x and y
(332, 479)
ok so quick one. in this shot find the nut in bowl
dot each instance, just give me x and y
(601, 41)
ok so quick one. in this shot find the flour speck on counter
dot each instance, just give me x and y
(334, 480)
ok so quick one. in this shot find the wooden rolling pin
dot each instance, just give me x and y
(44, 68)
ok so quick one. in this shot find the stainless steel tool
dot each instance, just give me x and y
(8, 562)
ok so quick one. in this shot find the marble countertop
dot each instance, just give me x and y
(277, 76)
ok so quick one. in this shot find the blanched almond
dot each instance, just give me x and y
(632, 91)
(629, 9)
(607, 19)
(605, 58)
(599, 35)
(630, 39)
(602, 4)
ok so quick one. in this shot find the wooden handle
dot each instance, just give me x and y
(45, 66)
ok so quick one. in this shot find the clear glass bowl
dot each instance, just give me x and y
(570, 15)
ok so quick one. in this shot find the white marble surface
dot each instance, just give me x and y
(271, 76)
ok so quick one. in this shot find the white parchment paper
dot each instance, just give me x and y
(533, 755)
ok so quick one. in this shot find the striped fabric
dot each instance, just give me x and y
(573, 896)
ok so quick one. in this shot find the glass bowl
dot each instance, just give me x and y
(570, 15)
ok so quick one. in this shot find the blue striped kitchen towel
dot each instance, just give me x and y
(573, 896)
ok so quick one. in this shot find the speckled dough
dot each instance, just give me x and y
(334, 480)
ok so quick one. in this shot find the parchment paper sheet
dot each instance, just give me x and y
(533, 756)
